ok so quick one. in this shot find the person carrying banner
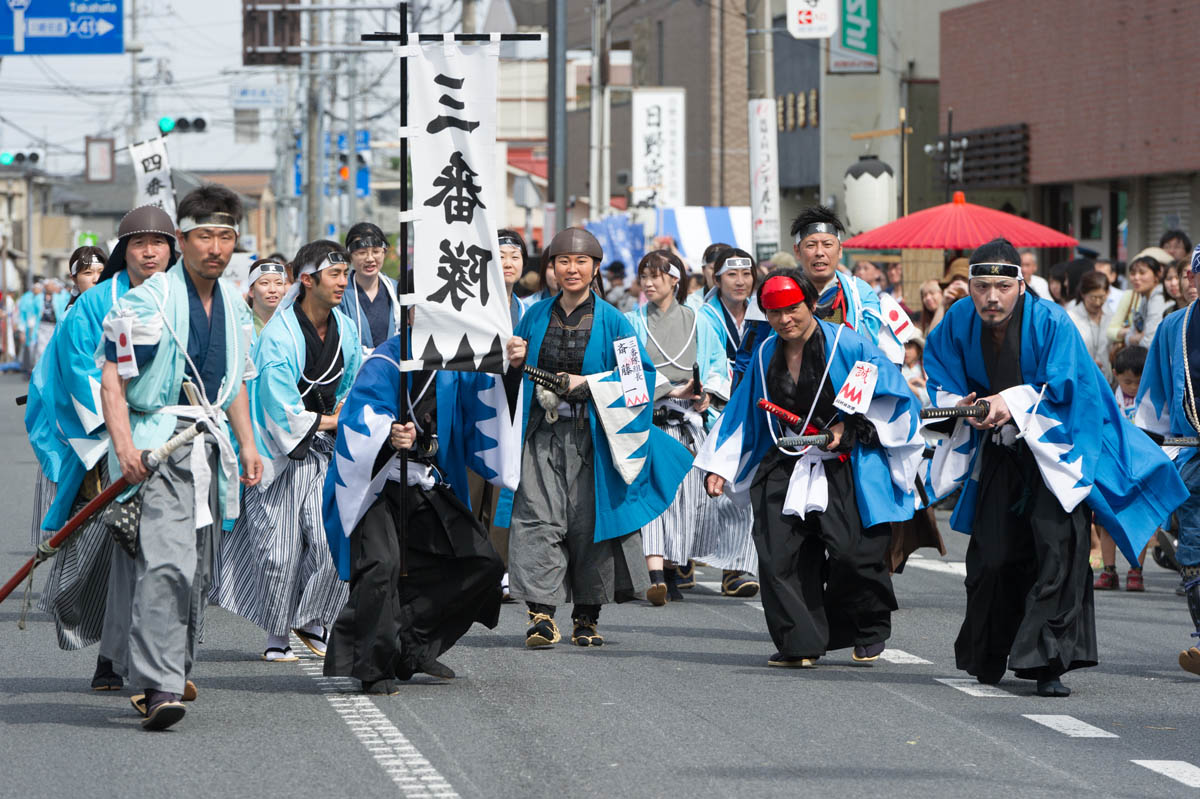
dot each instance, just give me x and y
(176, 352)
(1053, 445)
(274, 567)
(821, 515)
(682, 345)
(418, 581)
(1166, 405)
(67, 433)
(844, 298)
(370, 301)
(594, 469)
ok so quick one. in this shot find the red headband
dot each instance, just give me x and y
(781, 291)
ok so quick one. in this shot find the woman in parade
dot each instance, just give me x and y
(268, 283)
(85, 266)
(740, 325)
(594, 469)
(683, 346)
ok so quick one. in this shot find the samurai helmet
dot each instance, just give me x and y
(575, 240)
(143, 219)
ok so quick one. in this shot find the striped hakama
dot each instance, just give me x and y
(274, 567)
(731, 526)
(76, 589)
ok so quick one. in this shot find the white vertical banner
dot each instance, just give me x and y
(152, 175)
(658, 178)
(461, 319)
(764, 177)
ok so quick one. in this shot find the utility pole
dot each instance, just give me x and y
(312, 136)
(761, 51)
(558, 112)
(595, 112)
(134, 48)
(470, 19)
(606, 111)
(351, 123)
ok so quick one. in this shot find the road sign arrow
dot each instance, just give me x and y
(103, 26)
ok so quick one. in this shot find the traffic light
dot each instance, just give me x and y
(8, 158)
(182, 125)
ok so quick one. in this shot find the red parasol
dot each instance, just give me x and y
(958, 225)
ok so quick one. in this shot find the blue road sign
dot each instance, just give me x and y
(61, 27)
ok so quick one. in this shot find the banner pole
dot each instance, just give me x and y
(405, 286)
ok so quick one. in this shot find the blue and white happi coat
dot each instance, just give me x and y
(884, 475)
(63, 415)
(862, 304)
(158, 312)
(351, 306)
(475, 430)
(1085, 448)
(281, 422)
(637, 467)
(1159, 406)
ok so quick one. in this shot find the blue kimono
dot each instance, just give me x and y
(862, 304)
(884, 476)
(281, 422)
(29, 311)
(1084, 446)
(353, 310)
(63, 415)
(474, 428)
(637, 466)
(738, 346)
(1163, 390)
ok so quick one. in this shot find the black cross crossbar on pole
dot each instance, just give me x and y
(405, 277)
(465, 38)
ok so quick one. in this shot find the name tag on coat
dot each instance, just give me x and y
(856, 393)
(633, 377)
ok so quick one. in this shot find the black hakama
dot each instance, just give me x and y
(394, 623)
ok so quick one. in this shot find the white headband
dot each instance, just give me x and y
(736, 262)
(269, 268)
(332, 259)
(218, 219)
(817, 227)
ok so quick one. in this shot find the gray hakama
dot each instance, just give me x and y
(156, 601)
(274, 567)
(552, 555)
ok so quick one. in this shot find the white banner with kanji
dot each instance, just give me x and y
(461, 319)
(152, 175)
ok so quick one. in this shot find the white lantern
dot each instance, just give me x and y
(870, 191)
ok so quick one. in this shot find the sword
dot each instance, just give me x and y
(977, 411)
(787, 417)
(557, 383)
(1181, 441)
(150, 459)
(818, 440)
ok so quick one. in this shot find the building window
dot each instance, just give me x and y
(1091, 222)
(800, 114)
(790, 111)
(812, 108)
(779, 102)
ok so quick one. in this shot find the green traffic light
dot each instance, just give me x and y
(166, 124)
(6, 159)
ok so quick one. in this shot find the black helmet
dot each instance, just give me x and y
(143, 219)
(575, 240)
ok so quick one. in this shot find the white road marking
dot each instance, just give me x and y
(971, 687)
(1070, 726)
(711, 585)
(1178, 770)
(413, 775)
(757, 605)
(945, 566)
(900, 656)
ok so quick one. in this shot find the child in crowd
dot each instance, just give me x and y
(914, 369)
(1127, 369)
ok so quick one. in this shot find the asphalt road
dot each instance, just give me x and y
(678, 703)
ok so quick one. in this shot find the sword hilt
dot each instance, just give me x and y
(1181, 441)
(787, 417)
(152, 458)
(796, 442)
(977, 411)
(557, 383)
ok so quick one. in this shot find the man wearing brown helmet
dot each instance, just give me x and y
(63, 416)
(594, 469)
